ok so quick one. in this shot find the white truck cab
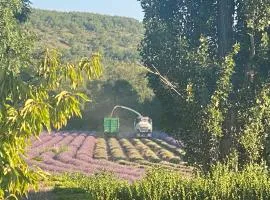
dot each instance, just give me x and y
(143, 126)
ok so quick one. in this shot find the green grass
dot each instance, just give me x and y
(58, 187)
(60, 194)
(69, 194)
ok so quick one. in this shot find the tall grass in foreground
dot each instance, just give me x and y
(159, 184)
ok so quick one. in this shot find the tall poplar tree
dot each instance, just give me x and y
(192, 43)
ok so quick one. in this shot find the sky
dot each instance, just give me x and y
(127, 8)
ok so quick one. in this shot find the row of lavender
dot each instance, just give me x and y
(135, 150)
(80, 151)
(73, 152)
(164, 136)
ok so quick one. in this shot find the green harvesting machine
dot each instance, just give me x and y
(111, 126)
(142, 125)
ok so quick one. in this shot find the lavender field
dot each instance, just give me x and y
(84, 152)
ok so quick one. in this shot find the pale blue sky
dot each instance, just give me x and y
(128, 8)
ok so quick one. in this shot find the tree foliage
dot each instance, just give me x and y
(80, 34)
(191, 42)
(31, 99)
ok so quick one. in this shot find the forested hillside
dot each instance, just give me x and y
(117, 39)
(79, 34)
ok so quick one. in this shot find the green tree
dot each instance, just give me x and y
(30, 98)
(24, 12)
(191, 43)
